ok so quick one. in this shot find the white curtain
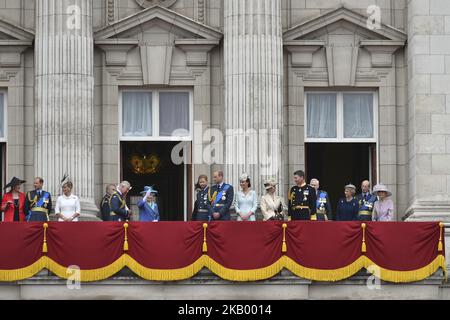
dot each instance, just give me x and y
(321, 114)
(173, 113)
(137, 114)
(358, 115)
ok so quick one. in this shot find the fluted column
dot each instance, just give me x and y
(64, 87)
(253, 90)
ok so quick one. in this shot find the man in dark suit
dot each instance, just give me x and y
(38, 203)
(221, 196)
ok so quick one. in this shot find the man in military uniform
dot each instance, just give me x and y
(202, 206)
(323, 206)
(119, 208)
(105, 208)
(302, 199)
(221, 197)
(38, 203)
(366, 201)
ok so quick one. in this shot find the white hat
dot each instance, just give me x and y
(270, 183)
(350, 186)
(244, 177)
(381, 187)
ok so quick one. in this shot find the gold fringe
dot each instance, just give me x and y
(205, 246)
(243, 275)
(165, 274)
(440, 245)
(323, 274)
(284, 246)
(407, 276)
(44, 245)
(125, 243)
(363, 246)
(23, 273)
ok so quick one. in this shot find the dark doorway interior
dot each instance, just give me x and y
(149, 163)
(337, 164)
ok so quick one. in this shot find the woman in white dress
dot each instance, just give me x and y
(272, 206)
(246, 201)
(67, 205)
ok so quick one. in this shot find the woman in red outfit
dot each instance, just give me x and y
(13, 202)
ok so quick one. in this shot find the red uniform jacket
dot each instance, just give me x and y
(9, 213)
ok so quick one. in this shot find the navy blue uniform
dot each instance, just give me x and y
(323, 206)
(202, 206)
(221, 199)
(347, 210)
(38, 204)
(365, 203)
(118, 208)
(105, 207)
(302, 202)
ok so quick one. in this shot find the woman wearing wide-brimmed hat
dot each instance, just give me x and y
(347, 208)
(272, 206)
(13, 202)
(148, 208)
(383, 209)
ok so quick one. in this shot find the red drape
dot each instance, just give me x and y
(240, 251)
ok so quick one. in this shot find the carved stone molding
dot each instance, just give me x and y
(151, 3)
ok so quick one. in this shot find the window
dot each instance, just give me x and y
(341, 116)
(156, 114)
(2, 116)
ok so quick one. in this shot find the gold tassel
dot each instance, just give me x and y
(284, 246)
(363, 246)
(125, 244)
(205, 246)
(440, 245)
(44, 246)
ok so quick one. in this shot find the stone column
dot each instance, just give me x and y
(253, 90)
(429, 110)
(64, 87)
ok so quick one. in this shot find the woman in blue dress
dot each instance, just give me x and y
(347, 208)
(148, 208)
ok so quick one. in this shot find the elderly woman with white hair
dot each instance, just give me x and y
(245, 202)
(383, 209)
(272, 206)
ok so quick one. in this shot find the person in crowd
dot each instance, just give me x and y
(13, 202)
(105, 207)
(221, 197)
(246, 201)
(67, 206)
(347, 208)
(272, 205)
(119, 208)
(148, 208)
(383, 209)
(202, 206)
(38, 203)
(366, 202)
(302, 199)
(323, 212)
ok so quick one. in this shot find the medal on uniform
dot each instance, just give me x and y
(224, 198)
(305, 195)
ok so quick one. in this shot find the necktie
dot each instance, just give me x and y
(39, 193)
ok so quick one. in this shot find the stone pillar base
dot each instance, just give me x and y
(428, 212)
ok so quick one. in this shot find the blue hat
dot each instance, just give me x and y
(147, 189)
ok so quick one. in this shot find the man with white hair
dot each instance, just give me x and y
(119, 208)
(366, 201)
(323, 202)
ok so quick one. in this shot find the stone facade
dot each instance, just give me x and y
(206, 46)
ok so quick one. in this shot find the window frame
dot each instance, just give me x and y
(5, 115)
(155, 115)
(340, 116)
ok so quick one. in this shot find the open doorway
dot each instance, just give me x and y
(148, 163)
(338, 164)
